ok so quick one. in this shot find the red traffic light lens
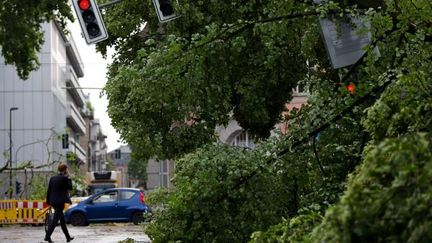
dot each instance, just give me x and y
(351, 88)
(84, 4)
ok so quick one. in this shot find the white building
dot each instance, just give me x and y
(49, 105)
(98, 147)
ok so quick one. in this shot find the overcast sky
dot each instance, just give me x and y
(95, 68)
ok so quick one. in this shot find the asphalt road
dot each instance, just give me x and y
(94, 233)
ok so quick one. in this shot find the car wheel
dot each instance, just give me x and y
(137, 217)
(78, 219)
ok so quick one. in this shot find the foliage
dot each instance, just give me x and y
(210, 202)
(21, 35)
(171, 84)
(157, 197)
(78, 180)
(71, 157)
(388, 199)
(38, 187)
(127, 240)
(199, 208)
(38, 184)
(296, 229)
(229, 49)
(174, 89)
(137, 169)
(89, 108)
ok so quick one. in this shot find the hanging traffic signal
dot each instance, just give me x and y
(65, 141)
(17, 187)
(91, 20)
(164, 10)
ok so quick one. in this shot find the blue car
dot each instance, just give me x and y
(111, 205)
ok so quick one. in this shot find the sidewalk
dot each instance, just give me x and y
(94, 233)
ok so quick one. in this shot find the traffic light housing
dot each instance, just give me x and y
(17, 187)
(90, 20)
(65, 141)
(164, 10)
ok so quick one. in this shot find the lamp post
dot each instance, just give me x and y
(10, 150)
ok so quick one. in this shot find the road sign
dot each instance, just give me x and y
(344, 44)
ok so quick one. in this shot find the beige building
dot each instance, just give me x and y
(159, 173)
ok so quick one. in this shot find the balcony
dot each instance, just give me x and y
(74, 119)
(78, 151)
(73, 87)
(74, 57)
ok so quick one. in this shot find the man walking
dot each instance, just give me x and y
(57, 196)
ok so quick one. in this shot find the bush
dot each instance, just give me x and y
(388, 199)
(297, 229)
(206, 205)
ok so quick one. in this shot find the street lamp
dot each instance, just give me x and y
(10, 150)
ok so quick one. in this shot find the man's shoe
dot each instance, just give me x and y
(49, 240)
(70, 239)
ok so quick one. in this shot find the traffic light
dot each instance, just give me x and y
(164, 10)
(65, 141)
(90, 19)
(17, 187)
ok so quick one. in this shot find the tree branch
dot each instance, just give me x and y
(251, 24)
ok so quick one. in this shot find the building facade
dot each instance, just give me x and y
(159, 172)
(97, 147)
(234, 135)
(120, 158)
(41, 119)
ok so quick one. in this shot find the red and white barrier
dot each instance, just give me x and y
(22, 211)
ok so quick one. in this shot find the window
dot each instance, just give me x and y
(106, 197)
(163, 173)
(126, 195)
(300, 90)
(243, 140)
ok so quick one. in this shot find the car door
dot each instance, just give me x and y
(104, 207)
(125, 203)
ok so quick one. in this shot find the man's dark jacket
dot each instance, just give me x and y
(58, 190)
